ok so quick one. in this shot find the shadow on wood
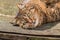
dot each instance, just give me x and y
(46, 26)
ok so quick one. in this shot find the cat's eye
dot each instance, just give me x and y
(32, 7)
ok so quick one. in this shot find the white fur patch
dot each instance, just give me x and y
(23, 4)
(37, 20)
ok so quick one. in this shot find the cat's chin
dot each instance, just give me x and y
(28, 26)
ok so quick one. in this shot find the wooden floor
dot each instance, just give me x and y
(48, 29)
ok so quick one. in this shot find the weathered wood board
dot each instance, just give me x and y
(49, 29)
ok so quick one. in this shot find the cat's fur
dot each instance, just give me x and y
(35, 13)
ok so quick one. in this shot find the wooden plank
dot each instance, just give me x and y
(18, 36)
(12, 36)
(47, 29)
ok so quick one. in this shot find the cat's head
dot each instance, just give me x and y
(29, 16)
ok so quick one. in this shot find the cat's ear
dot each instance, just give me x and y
(18, 5)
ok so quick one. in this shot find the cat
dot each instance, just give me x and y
(35, 13)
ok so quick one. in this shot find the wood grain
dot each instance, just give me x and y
(47, 30)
